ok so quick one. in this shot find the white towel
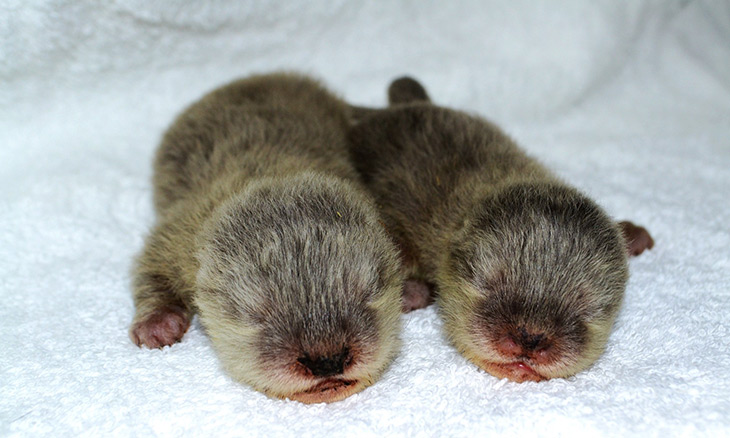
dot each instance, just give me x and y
(627, 100)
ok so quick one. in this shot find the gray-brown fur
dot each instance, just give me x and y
(264, 231)
(529, 272)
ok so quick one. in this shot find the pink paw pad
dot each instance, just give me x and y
(637, 238)
(163, 327)
(416, 295)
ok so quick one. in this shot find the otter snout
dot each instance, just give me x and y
(523, 343)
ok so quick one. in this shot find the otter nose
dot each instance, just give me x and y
(326, 366)
(521, 342)
(530, 341)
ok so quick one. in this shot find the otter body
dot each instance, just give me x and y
(264, 231)
(529, 273)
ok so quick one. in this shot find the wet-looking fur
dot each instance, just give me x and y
(528, 272)
(264, 230)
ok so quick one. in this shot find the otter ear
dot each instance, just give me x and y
(637, 238)
(406, 90)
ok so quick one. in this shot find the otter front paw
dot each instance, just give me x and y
(162, 327)
(416, 295)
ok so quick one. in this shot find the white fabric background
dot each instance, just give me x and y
(629, 100)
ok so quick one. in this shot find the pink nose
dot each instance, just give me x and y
(508, 347)
(521, 343)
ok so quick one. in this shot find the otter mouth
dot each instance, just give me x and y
(516, 371)
(328, 390)
(329, 385)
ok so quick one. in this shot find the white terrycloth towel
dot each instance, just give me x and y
(628, 100)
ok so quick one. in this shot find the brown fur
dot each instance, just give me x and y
(264, 231)
(529, 272)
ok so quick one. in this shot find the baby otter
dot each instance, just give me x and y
(264, 231)
(529, 273)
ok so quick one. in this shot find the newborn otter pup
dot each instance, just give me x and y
(529, 273)
(263, 230)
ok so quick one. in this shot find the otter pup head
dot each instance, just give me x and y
(534, 281)
(299, 289)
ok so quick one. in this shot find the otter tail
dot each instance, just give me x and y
(403, 90)
(406, 90)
